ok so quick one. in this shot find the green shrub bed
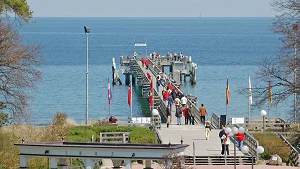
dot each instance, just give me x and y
(273, 145)
(137, 134)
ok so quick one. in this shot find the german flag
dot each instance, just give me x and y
(227, 92)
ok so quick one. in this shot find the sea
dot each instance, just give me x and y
(221, 47)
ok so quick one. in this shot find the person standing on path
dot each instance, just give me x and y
(224, 141)
(203, 113)
(240, 139)
(207, 128)
(178, 114)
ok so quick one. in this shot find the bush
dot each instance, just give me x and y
(137, 134)
(273, 145)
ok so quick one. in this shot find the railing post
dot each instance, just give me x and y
(124, 138)
(101, 138)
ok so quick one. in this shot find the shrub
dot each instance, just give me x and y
(273, 145)
(137, 134)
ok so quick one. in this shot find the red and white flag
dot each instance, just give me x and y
(151, 93)
(129, 96)
(109, 93)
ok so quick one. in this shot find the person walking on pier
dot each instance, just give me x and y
(143, 62)
(157, 83)
(183, 101)
(165, 97)
(203, 113)
(170, 102)
(178, 114)
(191, 113)
(186, 115)
(207, 128)
(147, 63)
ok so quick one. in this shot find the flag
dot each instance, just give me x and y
(151, 93)
(129, 96)
(270, 91)
(109, 94)
(227, 92)
(249, 91)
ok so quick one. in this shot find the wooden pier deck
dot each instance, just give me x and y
(189, 133)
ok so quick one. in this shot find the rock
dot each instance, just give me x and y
(275, 160)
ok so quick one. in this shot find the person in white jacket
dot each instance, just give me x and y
(225, 144)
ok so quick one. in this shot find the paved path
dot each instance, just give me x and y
(156, 166)
(196, 134)
(190, 133)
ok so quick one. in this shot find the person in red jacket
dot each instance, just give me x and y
(143, 62)
(170, 87)
(240, 139)
(165, 96)
(147, 63)
(186, 115)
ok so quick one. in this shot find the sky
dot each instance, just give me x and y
(151, 8)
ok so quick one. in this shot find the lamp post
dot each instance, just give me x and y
(259, 150)
(87, 31)
(154, 113)
(232, 132)
(263, 113)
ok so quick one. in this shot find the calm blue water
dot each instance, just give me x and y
(221, 47)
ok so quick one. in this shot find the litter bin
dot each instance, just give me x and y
(222, 121)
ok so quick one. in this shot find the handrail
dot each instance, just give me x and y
(250, 141)
(215, 121)
(159, 139)
(155, 70)
(294, 154)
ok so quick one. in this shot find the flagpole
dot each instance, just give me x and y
(270, 98)
(109, 98)
(130, 97)
(226, 117)
(269, 111)
(249, 98)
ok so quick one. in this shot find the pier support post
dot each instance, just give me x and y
(89, 163)
(63, 163)
(128, 164)
(148, 164)
(53, 163)
(116, 164)
(23, 162)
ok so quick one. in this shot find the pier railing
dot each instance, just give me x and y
(294, 153)
(250, 141)
(215, 121)
(155, 70)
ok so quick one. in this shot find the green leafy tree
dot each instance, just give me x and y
(19, 7)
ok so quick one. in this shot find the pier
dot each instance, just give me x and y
(200, 150)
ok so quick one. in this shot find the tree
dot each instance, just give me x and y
(19, 7)
(282, 70)
(18, 64)
(18, 72)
